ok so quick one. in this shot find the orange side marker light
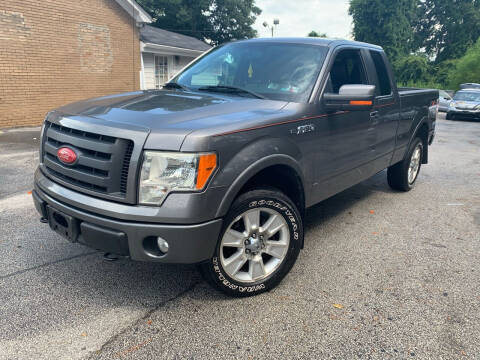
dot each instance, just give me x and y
(361, 102)
(206, 165)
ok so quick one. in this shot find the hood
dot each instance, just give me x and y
(170, 115)
(467, 105)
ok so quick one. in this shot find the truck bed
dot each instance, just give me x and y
(417, 97)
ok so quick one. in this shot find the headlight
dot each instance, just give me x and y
(452, 104)
(164, 172)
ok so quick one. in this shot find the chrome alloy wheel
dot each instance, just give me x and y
(414, 164)
(254, 245)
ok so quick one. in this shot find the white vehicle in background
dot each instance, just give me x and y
(469, 86)
(444, 101)
(465, 105)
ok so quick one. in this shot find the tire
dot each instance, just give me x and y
(398, 175)
(242, 264)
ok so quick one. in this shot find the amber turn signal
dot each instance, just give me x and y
(206, 166)
(361, 103)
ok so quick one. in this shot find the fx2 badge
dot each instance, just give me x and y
(303, 129)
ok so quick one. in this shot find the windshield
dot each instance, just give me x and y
(467, 96)
(444, 94)
(275, 71)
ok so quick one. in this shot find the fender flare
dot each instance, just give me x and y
(251, 171)
(423, 120)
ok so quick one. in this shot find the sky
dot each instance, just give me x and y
(299, 17)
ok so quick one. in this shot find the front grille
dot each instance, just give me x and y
(103, 161)
(77, 182)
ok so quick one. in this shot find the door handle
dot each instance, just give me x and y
(374, 114)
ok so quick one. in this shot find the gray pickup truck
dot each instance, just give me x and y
(219, 166)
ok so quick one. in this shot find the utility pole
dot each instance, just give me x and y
(275, 23)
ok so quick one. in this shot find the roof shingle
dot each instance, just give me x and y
(154, 35)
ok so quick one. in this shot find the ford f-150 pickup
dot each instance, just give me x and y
(218, 167)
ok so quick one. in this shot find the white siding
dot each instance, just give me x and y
(182, 61)
(148, 70)
(171, 66)
(175, 64)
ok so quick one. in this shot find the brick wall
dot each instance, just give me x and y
(53, 52)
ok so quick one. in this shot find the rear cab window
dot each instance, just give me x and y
(384, 84)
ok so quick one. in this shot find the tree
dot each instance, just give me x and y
(214, 21)
(467, 68)
(447, 28)
(441, 71)
(413, 68)
(313, 33)
(232, 20)
(389, 24)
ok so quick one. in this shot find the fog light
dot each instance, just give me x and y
(162, 245)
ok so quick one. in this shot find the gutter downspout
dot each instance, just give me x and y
(142, 68)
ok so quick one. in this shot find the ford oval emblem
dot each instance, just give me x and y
(66, 155)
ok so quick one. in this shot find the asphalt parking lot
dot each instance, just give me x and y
(383, 275)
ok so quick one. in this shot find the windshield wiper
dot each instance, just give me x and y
(230, 89)
(174, 85)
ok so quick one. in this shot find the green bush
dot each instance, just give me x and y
(422, 85)
(442, 70)
(412, 68)
(418, 71)
(467, 68)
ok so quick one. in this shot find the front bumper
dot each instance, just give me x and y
(188, 244)
(464, 114)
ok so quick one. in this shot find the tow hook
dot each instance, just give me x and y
(110, 257)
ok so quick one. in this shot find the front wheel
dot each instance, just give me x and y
(402, 176)
(260, 242)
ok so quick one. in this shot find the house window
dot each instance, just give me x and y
(161, 71)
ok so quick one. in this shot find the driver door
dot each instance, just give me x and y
(346, 138)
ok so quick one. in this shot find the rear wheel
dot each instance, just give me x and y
(402, 176)
(258, 246)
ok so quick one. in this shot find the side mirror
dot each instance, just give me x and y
(351, 98)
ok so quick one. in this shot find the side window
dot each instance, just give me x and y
(385, 88)
(347, 69)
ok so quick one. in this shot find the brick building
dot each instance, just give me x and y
(53, 52)
(56, 52)
(164, 53)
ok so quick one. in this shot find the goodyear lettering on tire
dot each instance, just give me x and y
(294, 224)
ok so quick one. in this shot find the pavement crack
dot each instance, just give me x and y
(45, 265)
(143, 318)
